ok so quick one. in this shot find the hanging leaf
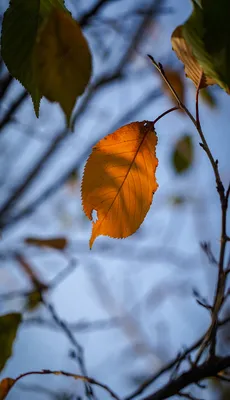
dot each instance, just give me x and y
(193, 70)
(207, 34)
(58, 243)
(9, 324)
(19, 31)
(119, 180)
(5, 386)
(64, 60)
(44, 48)
(177, 83)
(207, 31)
(183, 154)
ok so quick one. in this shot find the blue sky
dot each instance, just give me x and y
(150, 276)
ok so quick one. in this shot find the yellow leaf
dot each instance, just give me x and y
(54, 243)
(119, 180)
(193, 70)
(5, 386)
(64, 60)
(177, 83)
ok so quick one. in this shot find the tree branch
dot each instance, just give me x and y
(84, 378)
(221, 283)
(208, 369)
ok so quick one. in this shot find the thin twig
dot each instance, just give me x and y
(40, 287)
(79, 326)
(221, 283)
(166, 368)
(165, 113)
(208, 251)
(71, 337)
(197, 100)
(210, 368)
(83, 378)
(188, 396)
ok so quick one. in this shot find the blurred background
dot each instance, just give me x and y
(130, 305)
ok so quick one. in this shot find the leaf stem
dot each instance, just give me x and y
(197, 100)
(165, 113)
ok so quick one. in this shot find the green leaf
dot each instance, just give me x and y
(20, 28)
(19, 31)
(207, 32)
(183, 154)
(44, 48)
(9, 324)
(64, 60)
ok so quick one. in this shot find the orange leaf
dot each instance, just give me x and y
(193, 70)
(5, 386)
(119, 180)
(54, 243)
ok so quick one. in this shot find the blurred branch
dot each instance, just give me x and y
(41, 288)
(128, 321)
(80, 353)
(4, 85)
(197, 373)
(35, 280)
(210, 337)
(206, 247)
(13, 107)
(188, 396)
(79, 327)
(84, 379)
(166, 368)
(85, 19)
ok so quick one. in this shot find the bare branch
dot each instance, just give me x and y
(4, 85)
(13, 107)
(79, 327)
(210, 368)
(77, 346)
(84, 378)
(188, 396)
(221, 283)
(84, 19)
